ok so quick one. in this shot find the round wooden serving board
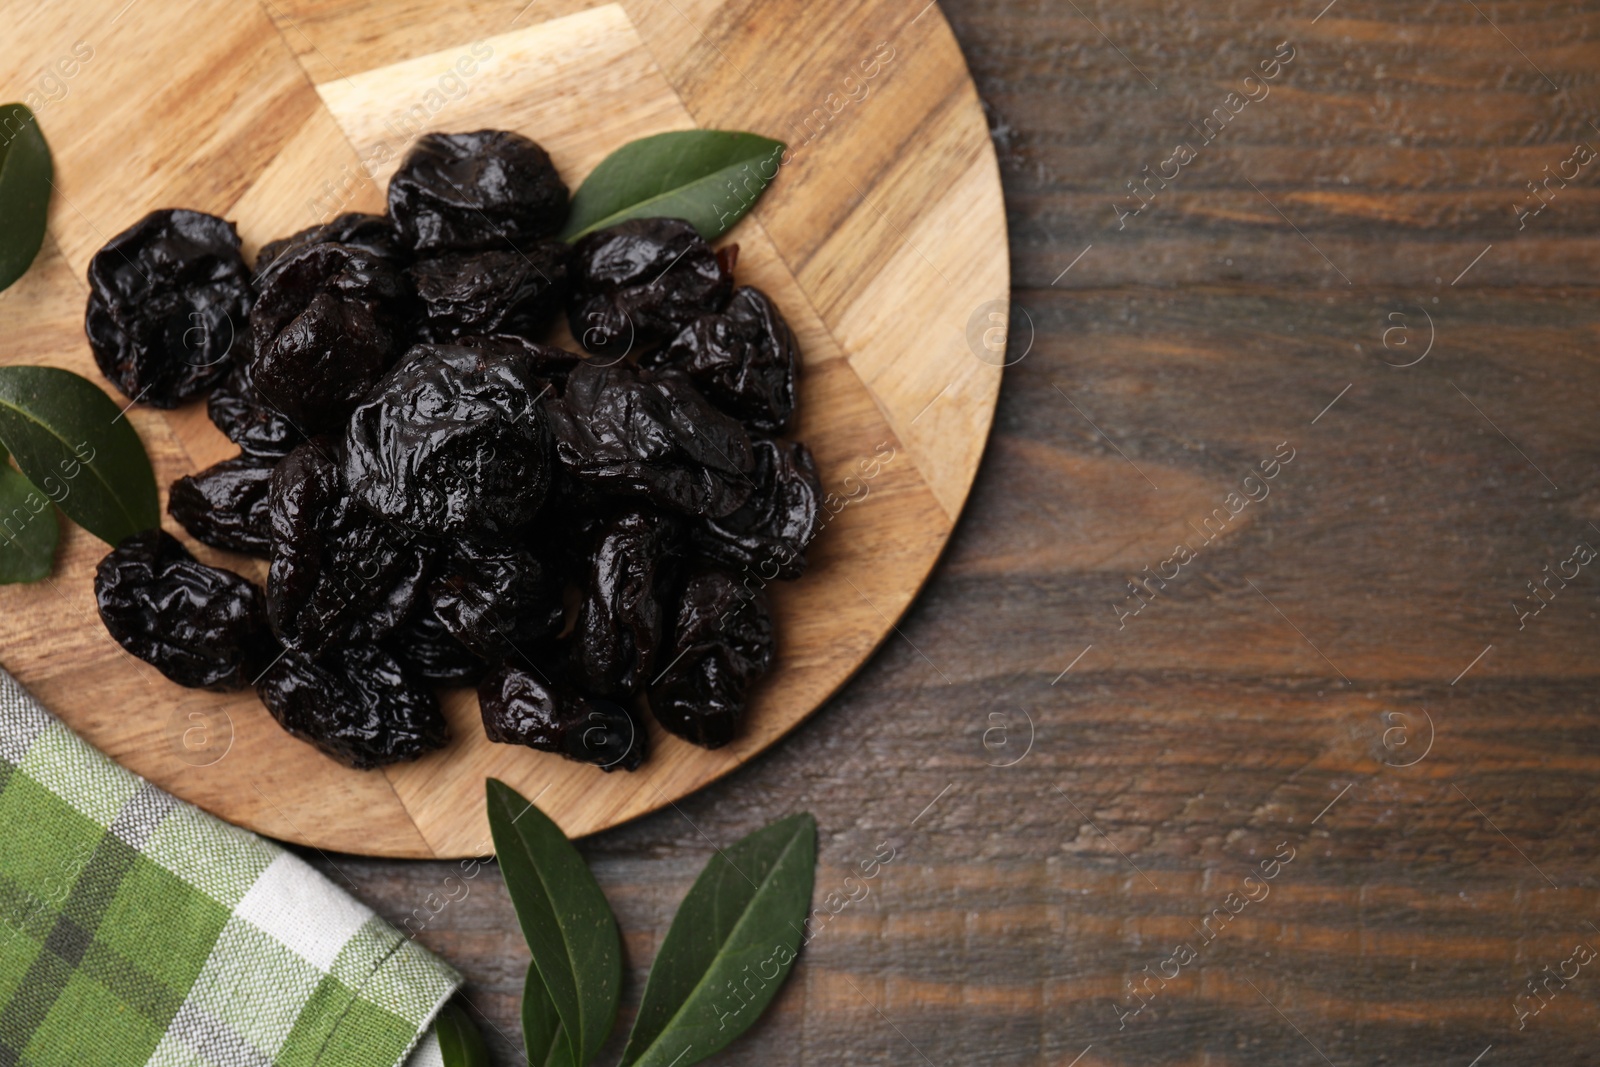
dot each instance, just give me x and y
(883, 239)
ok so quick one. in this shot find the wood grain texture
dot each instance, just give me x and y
(1182, 749)
(280, 117)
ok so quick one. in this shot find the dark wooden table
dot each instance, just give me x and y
(1085, 783)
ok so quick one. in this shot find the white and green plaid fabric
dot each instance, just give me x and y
(138, 930)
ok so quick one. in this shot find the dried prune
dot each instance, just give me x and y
(226, 505)
(373, 234)
(473, 191)
(201, 626)
(167, 298)
(239, 410)
(326, 329)
(452, 443)
(520, 708)
(428, 651)
(769, 533)
(338, 575)
(490, 292)
(358, 706)
(743, 358)
(640, 282)
(495, 603)
(650, 434)
(620, 620)
(721, 643)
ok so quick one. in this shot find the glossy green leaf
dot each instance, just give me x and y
(730, 947)
(564, 918)
(542, 1032)
(28, 528)
(710, 177)
(25, 174)
(459, 1040)
(74, 443)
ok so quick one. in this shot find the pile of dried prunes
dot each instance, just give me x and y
(444, 498)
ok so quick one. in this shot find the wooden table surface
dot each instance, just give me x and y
(1345, 666)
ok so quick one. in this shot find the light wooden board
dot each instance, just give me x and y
(881, 240)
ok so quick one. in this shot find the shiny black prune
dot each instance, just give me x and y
(474, 191)
(226, 505)
(721, 644)
(643, 433)
(744, 358)
(239, 410)
(373, 234)
(338, 575)
(621, 621)
(497, 602)
(769, 533)
(326, 329)
(640, 282)
(465, 293)
(429, 651)
(453, 442)
(358, 706)
(167, 298)
(201, 626)
(520, 708)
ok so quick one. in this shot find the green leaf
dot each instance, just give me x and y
(72, 441)
(564, 918)
(730, 947)
(459, 1039)
(710, 177)
(28, 528)
(25, 173)
(542, 1032)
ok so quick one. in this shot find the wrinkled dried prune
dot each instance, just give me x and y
(640, 282)
(721, 643)
(373, 234)
(239, 410)
(428, 651)
(519, 708)
(497, 602)
(338, 575)
(472, 191)
(620, 620)
(769, 533)
(490, 292)
(743, 358)
(452, 443)
(650, 434)
(167, 298)
(358, 706)
(201, 626)
(226, 505)
(326, 329)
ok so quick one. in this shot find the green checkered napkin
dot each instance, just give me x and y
(136, 929)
